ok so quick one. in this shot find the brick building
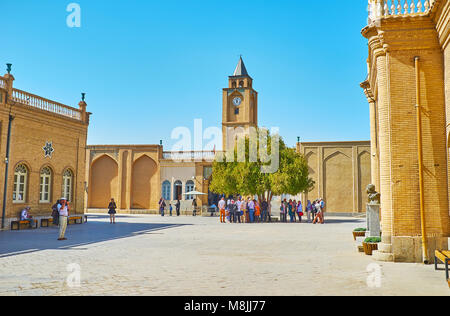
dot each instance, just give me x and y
(408, 90)
(137, 176)
(47, 152)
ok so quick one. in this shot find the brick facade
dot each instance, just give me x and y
(37, 121)
(395, 42)
(341, 172)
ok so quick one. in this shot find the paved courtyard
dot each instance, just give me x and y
(150, 255)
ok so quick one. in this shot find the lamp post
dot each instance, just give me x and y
(8, 141)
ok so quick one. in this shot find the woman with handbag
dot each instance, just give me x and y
(112, 211)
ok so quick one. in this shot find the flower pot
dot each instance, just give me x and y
(369, 248)
(358, 234)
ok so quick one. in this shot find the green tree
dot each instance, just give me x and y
(247, 177)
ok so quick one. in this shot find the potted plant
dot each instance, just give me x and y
(359, 232)
(370, 244)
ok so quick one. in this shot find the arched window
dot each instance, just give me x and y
(45, 185)
(241, 84)
(67, 184)
(233, 85)
(20, 184)
(166, 190)
(189, 188)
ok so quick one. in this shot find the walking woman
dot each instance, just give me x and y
(112, 211)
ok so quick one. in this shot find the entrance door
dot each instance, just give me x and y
(177, 190)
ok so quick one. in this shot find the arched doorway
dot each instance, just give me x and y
(103, 182)
(144, 170)
(177, 190)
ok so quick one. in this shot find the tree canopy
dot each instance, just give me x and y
(234, 175)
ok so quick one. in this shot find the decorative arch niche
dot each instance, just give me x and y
(143, 174)
(103, 181)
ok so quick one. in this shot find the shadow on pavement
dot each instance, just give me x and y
(26, 241)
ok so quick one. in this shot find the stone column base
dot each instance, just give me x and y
(408, 249)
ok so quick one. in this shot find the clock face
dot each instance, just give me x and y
(237, 101)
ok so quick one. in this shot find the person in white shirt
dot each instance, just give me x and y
(222, 210)
(63, 209)
(26, 217)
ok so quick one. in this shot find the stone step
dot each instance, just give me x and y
(383, 256)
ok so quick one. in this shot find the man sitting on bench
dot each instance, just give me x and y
(26, 217)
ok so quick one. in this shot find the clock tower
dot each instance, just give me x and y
(240, 106)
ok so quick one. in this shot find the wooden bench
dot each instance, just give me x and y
(444, 257)
(75, 219)
(45, 222)
(17, 224)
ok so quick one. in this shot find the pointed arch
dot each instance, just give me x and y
(103, 181)
(143, 181)
(336, 153)
(364, 177)
(338, 182)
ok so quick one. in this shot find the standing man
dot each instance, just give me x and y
(162, 206)
(264, 208)
(234, 212)
(63, 209)
(238, 209)
(222, 205)
(194, 205)
(251, 210)
(177, 206)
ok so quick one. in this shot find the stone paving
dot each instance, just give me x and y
(150, 255)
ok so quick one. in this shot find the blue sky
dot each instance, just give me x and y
(150, 66)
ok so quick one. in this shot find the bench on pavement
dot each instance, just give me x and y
(75, 219)
(45, 222)
(444, 257)
(213, 211)
(15, 225)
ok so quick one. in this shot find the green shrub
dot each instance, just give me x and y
(360, 230)
(372, 240)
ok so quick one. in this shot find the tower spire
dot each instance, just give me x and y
(240, 69)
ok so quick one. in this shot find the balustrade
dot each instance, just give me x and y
(44, 104)
(386, 8)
